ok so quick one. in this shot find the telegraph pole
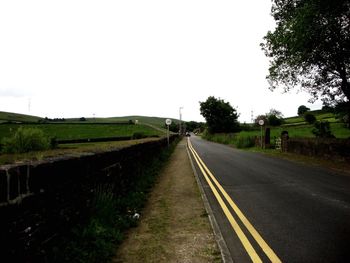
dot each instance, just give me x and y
(180, 127)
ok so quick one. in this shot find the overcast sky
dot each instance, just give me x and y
(117, 58)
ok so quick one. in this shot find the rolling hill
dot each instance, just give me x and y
(17, 117)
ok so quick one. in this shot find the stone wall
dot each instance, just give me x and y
(42, 200)
(327, 148)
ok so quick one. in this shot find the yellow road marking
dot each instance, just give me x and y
(247, 245)
(264, 246)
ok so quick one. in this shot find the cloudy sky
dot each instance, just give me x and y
(72, 58)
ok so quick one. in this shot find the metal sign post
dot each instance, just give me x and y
(261, 123)
(168, 122)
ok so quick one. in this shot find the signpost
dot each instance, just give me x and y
(168, 122)
(261, 123)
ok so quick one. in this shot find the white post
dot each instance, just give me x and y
(168, 135)
(168, 122)
(261, 123)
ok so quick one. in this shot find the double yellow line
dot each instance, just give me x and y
(209, 177)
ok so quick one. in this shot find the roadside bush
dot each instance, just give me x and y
(96, 240)
(274, 120)
(309, 118)
(26, 140)
(245, 142)
(322, 130)
(138, 135)
(231, 138)
(248, 127)
(223, 138)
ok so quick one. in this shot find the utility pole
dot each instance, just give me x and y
(180, 127)
(29, 105)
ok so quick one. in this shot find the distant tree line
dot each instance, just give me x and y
(46, 119)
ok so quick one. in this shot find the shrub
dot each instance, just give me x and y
(245, 142)
(26, 140)
(309, 117)
(274, 120)
(138, 135)
(322, 130)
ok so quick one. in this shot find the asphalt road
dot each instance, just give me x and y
(301, 213)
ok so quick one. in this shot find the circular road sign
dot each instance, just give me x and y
(261, 122)
(168, 121)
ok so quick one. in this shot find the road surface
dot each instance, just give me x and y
(273, 210)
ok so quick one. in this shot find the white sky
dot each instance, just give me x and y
(114, 58)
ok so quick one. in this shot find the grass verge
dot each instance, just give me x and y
(112, 214)
(69, 149)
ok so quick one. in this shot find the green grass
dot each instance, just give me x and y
(9, 116)
(97, 239)
(245, 139)
(325, 116)
(156, 121)
(301, 131)
(75, 149)
(82, 131)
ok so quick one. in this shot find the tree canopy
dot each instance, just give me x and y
(310, 48)
(273, 118)
(302, 109)
(219, 115)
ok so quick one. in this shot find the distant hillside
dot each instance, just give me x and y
(16, 117)
(156, 121)
(320, 115)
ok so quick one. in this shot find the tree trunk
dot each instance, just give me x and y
(345, 87)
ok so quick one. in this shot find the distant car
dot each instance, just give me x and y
(188, 134)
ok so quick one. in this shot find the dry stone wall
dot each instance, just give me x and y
(42, 200)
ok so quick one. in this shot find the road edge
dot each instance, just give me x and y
(225, 254)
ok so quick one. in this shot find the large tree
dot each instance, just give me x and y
(219, 115)
(302, 109)
(310, 48)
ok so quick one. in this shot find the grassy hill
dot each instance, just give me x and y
(156, 121)
(16, 117)
(296, 127)
(320, 116)
(74, 128)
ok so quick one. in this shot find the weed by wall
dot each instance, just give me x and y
(75, 209)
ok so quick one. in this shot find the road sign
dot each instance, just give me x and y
(168, 122)
(261, 123)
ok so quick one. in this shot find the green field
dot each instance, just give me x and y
(74, 128)
(296, 127)
(82, 131)
(320, 116)
(156, 121)
(302, 131)
(15, 117)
